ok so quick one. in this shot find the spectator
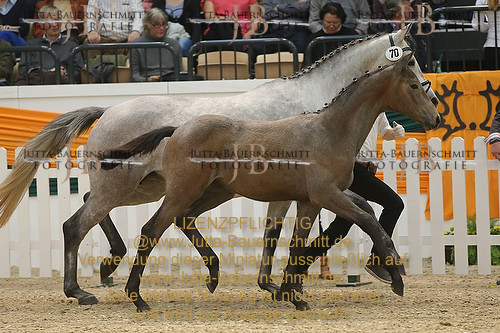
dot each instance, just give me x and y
(11, 13)
(7, 63)
(176, 31)
(224, 10)
(116, 21)
(147, 5)
(71, 10)
(354, 10)
(145, 63)
(491, 46)
(332, 17)
(41, 65)
(180, 11)
(378, 9)
(393, 12)
(292, 13)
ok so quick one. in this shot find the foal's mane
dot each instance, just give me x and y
(330, 55)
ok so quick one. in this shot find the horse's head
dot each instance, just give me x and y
(386, 49)
(407, 96)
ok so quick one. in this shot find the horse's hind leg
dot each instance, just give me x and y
(75, 229)
(154, 228)
(118, 248)
(306, 214)
(275, 213)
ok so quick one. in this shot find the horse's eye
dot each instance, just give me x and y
(414, 86)
(411, 63)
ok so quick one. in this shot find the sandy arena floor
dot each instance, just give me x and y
(449, 303)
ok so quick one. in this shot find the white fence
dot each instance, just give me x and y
(33, 236)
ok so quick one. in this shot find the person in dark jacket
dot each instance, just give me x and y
(145, 63)
(52, 38)
(332, 17)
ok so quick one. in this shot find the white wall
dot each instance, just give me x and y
(64, 98)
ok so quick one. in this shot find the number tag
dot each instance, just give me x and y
(394, 53)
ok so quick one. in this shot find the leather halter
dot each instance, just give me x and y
(426, 83)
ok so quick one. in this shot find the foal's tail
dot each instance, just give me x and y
(144, 144)
(50, 141)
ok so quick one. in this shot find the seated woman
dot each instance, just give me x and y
(145, 63)
(332, 17)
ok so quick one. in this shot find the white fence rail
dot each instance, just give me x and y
(33, 236)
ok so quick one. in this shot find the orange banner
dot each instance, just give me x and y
(17, 126)
(469, 101)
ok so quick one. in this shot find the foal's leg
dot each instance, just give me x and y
(337, 229)
(276, 212)
(172, 207)
(212, 197)
(306, 214)
(118, 248)
(333, 199)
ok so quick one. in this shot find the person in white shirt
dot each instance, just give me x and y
(492, 45)
(114, 21)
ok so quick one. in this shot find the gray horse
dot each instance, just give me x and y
(281, 98)
(191, 189)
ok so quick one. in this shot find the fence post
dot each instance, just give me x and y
(436, 208)
(482, 207)
(459, 212)
(4, 231)
(413, 208)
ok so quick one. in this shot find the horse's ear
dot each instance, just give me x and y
(405, 32)
(403, 62)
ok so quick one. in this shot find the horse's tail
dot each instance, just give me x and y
(144, 144)
(50, 141)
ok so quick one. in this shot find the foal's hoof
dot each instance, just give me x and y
(212, 286)
(143, 308)
(401, 269)
(398, 287)
(87, 300)
(302, 306)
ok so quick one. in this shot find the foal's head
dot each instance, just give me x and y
(407, 96)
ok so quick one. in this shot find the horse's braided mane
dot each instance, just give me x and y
(339, 49)
(354, 81)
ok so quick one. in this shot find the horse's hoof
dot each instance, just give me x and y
(143, 308)
(87, 300)
(212, 286)
(398, 288)
(379, 272)
(302, 306)
(401, 269)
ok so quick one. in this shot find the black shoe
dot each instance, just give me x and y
(379, 272)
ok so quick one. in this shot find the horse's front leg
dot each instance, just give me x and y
(276, 212)
(292, 279)
(332, 198)
(214, 195)
(337, 229)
